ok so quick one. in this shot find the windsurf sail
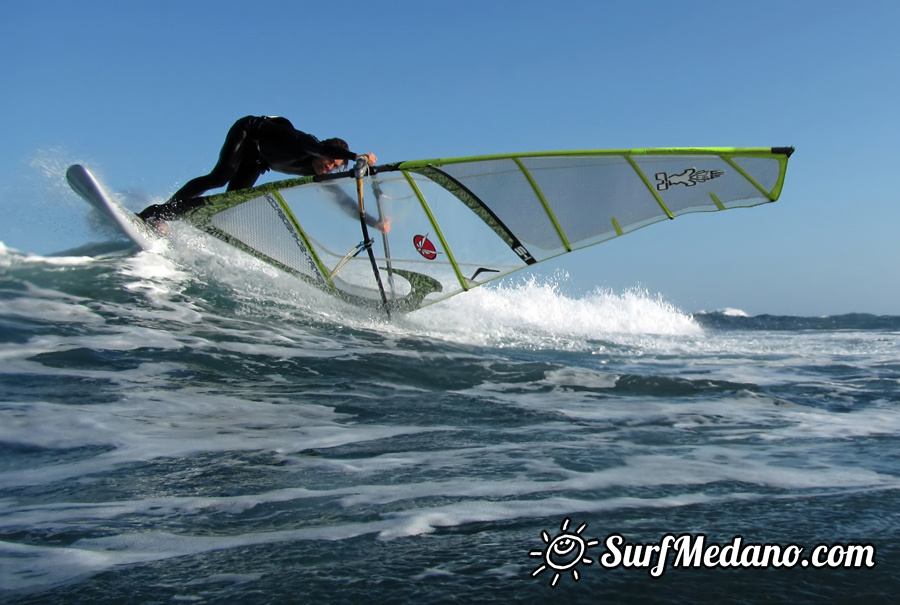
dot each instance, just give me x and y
(458, 223)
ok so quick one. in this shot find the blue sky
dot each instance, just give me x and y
(144, 92)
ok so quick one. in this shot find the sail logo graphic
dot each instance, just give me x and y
(564, 552)
(425, 247)
(688, 178)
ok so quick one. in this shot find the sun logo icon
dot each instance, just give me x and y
(564, 552)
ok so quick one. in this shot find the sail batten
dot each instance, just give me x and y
(540, 195)
(437, 230)
(650, 188)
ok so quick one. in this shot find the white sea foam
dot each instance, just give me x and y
(535, 313)
(734, 313)
(9, 256)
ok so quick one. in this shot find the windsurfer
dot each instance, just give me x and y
(253, 146)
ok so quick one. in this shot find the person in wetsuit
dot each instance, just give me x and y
(253, 146)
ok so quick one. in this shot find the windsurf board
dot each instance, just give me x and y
(126, 222)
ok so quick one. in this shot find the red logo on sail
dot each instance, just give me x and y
(424, 247)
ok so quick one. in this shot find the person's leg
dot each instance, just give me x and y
(250, 169)
(170, 210)
(230, 158)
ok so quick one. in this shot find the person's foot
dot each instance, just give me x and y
(160, 226)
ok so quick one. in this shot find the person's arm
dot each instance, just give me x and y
(313, 146)
(370, 158)
(339, 153)
(351, 208)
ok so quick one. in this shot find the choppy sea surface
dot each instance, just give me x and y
(189, 425)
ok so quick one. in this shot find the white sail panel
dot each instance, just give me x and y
(261, 225)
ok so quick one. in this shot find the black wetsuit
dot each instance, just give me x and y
(253, 146)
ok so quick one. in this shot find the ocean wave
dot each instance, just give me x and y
(724, 320)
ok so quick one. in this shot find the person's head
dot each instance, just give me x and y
(324, 165)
